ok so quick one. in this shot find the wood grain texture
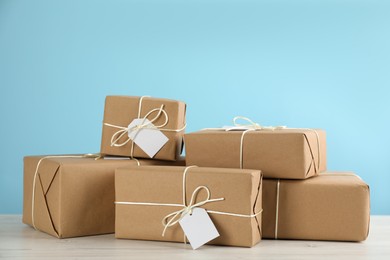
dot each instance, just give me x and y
(18, 241)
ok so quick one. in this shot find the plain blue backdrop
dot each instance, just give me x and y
(318, 64)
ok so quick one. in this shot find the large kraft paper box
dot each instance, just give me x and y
(285, 154)
(122, 110)
(331, 206)
(241, 190)
(73, 196)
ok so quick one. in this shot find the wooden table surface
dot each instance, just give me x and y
(18, 241)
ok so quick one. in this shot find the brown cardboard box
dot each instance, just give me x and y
(122, 110)
(331, 206)
(73, 196)
(241, 190)
(286, 153)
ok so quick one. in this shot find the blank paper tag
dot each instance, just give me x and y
(198, 228)
(149, 140)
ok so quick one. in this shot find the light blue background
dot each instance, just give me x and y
(321, 64)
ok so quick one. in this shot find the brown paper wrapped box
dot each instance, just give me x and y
(331, 206)
(120, 111)
(73, 196)
(241, 190)
(285, 154)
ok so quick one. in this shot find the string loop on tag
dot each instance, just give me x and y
(117, 136)
(174, 217)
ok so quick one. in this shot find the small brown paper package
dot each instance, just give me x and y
(282, 153)
(331, 206)
(72, 195)
(166, 116)
(146, 195)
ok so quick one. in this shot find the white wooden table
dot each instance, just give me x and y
(18, 241)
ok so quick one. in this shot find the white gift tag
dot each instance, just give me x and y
(198, 228)
(150, 140)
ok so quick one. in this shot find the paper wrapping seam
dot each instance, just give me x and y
(36, 173)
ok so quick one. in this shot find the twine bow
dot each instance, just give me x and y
(251, 125)
(128, 130)
(175, 217)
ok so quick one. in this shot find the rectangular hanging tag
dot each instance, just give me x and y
(198, 227)
(149, 139)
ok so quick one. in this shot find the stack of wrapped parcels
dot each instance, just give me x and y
(140, 187)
